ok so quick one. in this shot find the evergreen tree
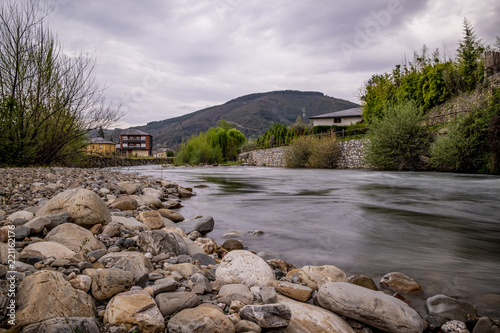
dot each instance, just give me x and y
(469, 53)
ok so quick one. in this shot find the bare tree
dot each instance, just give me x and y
(48, 100)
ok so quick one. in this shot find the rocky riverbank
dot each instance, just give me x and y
(90, 250)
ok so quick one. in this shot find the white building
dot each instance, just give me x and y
(339, 118)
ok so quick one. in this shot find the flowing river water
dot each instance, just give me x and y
(441, 229)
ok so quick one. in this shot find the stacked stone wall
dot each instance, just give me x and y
(351, 155)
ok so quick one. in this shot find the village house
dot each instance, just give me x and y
(136, 142)
(339, 118)
(101, 146)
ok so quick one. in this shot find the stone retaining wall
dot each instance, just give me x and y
(351, 155)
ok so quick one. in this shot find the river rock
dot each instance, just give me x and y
(235, 292)
(50, 249)
(130, 261)
(184, 192)
(135, 308)
(244, 267)
(74, 238)
(58, 219)
(312, 275)
(172, 302)
(202, 319)
(185, 269)
(363, 281)
(129, 187)
(171, 215)
(166, 285)
(281, 265)
(85, 207)
(203, 225)
(129, 223)
(149, 201)
(232, 244)
(292, 290)
(247, 326)
(152, 192)
(124, 203)
(444, 308)
(64, 324)
(371, 307)
(199, 284)
(486, 325)
(152, 219)
(307, 318)
(454, 326)
(267, 315)
(400, 283)
(21, 232)
(268, 295)
(158, 241)
(46, 294)
(24, 215)
(108, 282)
(37, 224)
(208, 245)
(82, 282)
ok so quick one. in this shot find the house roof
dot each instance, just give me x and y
(101, 140)
(133, 132)
(354, 112)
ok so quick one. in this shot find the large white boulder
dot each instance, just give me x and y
(244, 267)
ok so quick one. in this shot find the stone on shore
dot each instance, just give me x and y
(172, 302)
(444, 308)
(134, 262)
(292, 290)
(267, 315)
(312, 275)
(50, 249)
(24, 215)
(171, 215)
(37, 224)
(158, 241)
(244, 267)
(152, 219)
(486, 325)
(135, 308)
(202, 319)
(64, 324)
(235, 292)
(203, 225)
(129, 223)
(363, 281)
(74, 238)
(454, 326)
(85, 207)
(108, 282)
(307, 318)
(208, 245)
(400, 283)
(129, 187)
(46, 294)
(124, 203)
(149, 201)
(370, 307)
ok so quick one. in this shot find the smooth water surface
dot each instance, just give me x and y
(441, 229)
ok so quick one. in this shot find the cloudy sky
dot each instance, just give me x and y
(163, 59)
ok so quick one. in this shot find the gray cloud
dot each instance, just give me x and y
(166, 58)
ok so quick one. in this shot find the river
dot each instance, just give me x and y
(441, 229)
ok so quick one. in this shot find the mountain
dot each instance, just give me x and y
(251, 114)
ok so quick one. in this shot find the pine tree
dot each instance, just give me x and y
(469, 54)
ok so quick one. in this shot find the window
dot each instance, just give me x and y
(143, 145)
(337, 120)
(125, 138)
(125, 145)
(100, 146)
(143, 138)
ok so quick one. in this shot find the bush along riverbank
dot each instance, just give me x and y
(90, 250)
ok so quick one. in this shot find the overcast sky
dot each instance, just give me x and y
(163, 59)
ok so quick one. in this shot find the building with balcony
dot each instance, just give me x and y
(136, 142)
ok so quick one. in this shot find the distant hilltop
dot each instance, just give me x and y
(251, 114)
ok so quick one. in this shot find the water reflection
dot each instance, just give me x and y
(441, 229)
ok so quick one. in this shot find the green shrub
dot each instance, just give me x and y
(397, 140)
(312, 152)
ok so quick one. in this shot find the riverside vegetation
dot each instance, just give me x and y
(113, 251)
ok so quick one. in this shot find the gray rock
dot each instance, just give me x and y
(268, 315)
(204, 259)
(371, 307)
(202, 319)
(63, 324)
(170, 303)
(203, 225)
(21, 232)
(486, 325)
(74, 237)
(445, 308)
(244, 267)
(199, 284)
(97, 254)
(158, 241)
(108, 282)
(235, 292)
(20, 215)
(268, 295)
(166, 285)
(58, 219)
(37, 224)
(130, 261)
